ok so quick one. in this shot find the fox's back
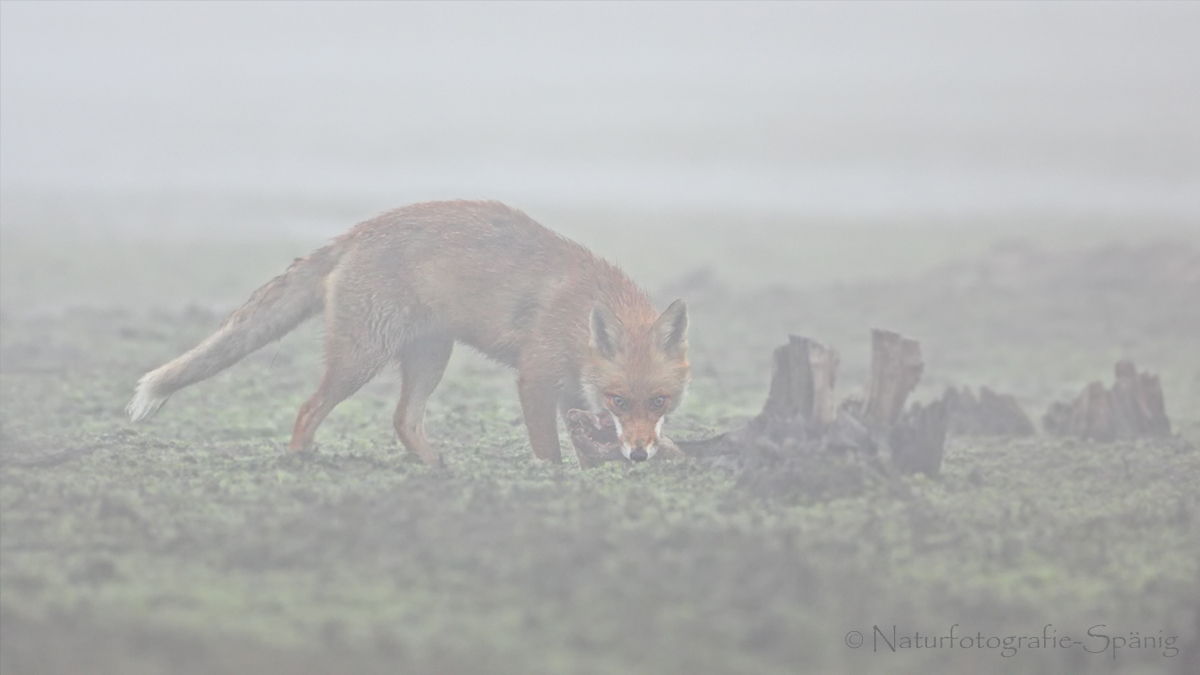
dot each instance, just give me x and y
(487, 274)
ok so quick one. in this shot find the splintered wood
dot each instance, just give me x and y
(896, 367)
(1132, 408)
(989, 414)
(800, 416)
(803, 376)
(916, 438)
(800, 404)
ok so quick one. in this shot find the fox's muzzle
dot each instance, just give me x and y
(639, 451)
(639, 441)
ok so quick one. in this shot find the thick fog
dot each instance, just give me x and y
(854, 109)
(863, 206)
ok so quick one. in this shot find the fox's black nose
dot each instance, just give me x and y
(638, 454)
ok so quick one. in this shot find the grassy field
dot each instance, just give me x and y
(195, 544)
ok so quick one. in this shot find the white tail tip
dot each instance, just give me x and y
(145, 403)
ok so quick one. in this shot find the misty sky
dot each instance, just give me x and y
(851, 108)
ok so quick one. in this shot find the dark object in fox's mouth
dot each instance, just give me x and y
(594, 436)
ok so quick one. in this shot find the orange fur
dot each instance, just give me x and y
(406, 285)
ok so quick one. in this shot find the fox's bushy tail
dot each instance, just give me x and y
(270, 313)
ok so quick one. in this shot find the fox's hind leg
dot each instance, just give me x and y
(348, 366)
(422, 362)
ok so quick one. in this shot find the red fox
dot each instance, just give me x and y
(406, 285)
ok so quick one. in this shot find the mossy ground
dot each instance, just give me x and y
(196, 543)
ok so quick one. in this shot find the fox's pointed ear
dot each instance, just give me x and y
(671, 328)
(607, 332)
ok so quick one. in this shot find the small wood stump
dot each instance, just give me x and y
(800, 400)
(989, 414)
(896, 368)
(1132, 408)
(914, 439)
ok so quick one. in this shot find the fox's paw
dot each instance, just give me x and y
(143, 405)
(148, 397)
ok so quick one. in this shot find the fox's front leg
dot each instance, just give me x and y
(539, 403)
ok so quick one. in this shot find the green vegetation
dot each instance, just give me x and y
(195, 543)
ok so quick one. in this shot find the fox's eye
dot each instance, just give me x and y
(658, 402)
(619, 401)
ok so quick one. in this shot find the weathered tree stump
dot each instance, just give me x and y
(896, 367)
(799, 415)
(799, 410)
(803, 376)
(1132, 408)
(990, 414)
(916, 439)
